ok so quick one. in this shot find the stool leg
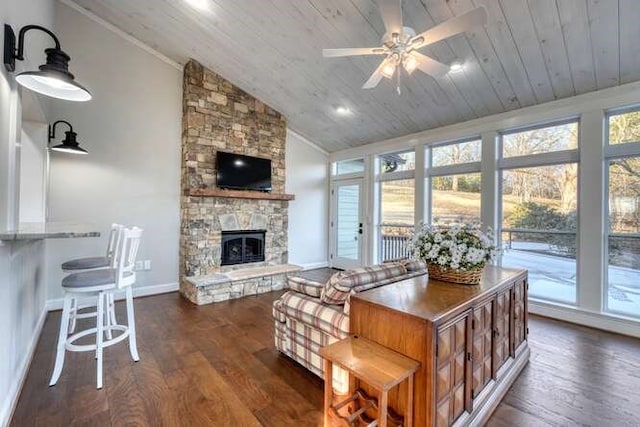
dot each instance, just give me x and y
(107, 314)
(99, 337)
(112, 308)
(62, 339)
(131, 324)
(382, 409)
(328, 390)
(74, 312)
(408, 417)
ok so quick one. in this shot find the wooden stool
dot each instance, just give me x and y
(369, 362)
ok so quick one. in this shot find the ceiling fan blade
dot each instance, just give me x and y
(391, 11)
(430, 66)
(333, 53)
(375, 77)
(459, 24)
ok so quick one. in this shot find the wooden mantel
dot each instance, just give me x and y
(239, 194)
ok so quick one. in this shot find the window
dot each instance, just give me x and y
(547, 139)
(624, 128)
(343, 167)
(397, 162)
(539, 208)
(623, 231)
(396, 176)
(455, 182)
(454, 154)
(397, 219)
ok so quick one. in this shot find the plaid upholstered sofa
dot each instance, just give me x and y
(312, 314)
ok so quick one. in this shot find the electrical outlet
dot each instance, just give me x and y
(139, 265)
(147, 264)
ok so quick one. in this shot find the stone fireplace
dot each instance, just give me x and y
(217, 116)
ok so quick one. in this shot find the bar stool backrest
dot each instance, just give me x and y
(113, 244)
(129, 244)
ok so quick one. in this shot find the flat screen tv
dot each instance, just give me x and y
(239, 172)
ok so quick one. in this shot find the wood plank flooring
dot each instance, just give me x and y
(216, 365)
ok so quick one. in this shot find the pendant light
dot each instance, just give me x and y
(69, 143)
(53, 78)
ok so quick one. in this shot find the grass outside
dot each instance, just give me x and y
(398, 203)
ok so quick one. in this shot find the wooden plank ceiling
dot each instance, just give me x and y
(531, 51)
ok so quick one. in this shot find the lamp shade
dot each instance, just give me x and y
(69, 145)
(54, 79)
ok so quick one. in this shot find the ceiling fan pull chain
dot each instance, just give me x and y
(398, 90)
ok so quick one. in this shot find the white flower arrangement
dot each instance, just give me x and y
(458, 248)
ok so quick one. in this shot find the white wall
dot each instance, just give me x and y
(33, 172)
(132, 130)
(22, 303)
(307, 178)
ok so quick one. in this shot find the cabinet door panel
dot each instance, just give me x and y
(452, 384)
(482, 345)
(519, 313)
(502, 330)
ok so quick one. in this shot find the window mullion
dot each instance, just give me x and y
(591, 195)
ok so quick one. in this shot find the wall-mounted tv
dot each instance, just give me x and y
(239, 172)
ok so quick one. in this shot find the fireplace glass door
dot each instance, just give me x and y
(241, 247)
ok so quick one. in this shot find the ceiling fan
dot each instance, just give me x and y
(400, 44)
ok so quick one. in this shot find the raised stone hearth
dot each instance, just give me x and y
(238, 283)
(218, 116)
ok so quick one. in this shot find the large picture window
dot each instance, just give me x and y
(623, 231)
(539, 226)
(396, 176)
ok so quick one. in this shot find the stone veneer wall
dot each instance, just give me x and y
(220, 116)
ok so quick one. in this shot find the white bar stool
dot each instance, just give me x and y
(101, 284)
(94, 263)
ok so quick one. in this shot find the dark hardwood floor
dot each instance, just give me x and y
(216, 365)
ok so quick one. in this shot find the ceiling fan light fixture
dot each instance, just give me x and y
(410, 63)
(389, 68)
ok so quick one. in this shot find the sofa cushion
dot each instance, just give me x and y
(329, 319)
(341, 284)
(305, 286)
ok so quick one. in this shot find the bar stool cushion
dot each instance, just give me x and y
(92, 278)
(86, 263)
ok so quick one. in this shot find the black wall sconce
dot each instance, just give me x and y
(54, 78)
(69, 143)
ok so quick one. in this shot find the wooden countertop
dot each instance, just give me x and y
(433, 299)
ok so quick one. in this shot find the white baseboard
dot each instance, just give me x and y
(142, 291)
(313, 265)
(605, 322)
(11, 399)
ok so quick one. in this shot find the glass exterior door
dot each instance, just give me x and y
(347, 224)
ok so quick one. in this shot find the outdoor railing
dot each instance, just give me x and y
(394, 241)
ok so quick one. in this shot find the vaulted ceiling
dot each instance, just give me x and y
(530, 52)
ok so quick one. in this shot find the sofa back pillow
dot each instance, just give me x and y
(341, 284)
(414, 265)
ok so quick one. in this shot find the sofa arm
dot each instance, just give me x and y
(305, 286)
(327, 318)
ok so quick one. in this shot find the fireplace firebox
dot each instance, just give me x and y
(242, 246)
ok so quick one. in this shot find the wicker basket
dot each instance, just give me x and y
(469, 277)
